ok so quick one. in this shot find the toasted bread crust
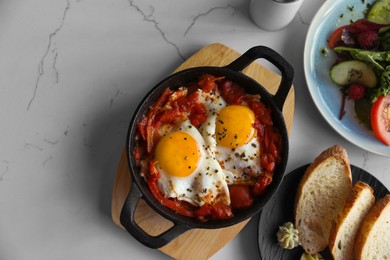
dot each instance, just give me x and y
(368, 224)
(335, 152)
(357, 190)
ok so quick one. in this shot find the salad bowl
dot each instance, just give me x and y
(318, 59)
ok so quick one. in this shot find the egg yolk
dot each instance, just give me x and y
(178, 154)
(234, 126)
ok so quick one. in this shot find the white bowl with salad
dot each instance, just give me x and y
(347, 69)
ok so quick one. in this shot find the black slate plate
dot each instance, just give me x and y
(280, 209)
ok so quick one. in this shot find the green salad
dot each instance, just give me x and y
(362, 67)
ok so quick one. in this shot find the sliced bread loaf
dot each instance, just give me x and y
(344, 230)
(373, 238)
(321, 195)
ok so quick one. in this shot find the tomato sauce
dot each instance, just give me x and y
(184, 106)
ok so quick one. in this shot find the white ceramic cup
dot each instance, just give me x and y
(273, 15)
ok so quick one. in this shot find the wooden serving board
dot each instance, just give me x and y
(196, 243)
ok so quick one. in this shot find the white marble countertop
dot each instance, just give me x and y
(72, 72)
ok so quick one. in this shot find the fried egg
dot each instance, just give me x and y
(230, 135)
(238, 149)
(188, 171)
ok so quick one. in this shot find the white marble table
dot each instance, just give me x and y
(71, 74)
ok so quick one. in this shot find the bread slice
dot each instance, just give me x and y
(321, 195)
(344, 230)
(373, 238)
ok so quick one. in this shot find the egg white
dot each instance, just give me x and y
(213, 102)
(242, 164)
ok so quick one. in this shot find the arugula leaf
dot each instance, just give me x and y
(384, 87)
(371, 57)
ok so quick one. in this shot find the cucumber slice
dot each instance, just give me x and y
(380, 12)
(353, 71)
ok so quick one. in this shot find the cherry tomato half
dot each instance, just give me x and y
(380, 119)
(335, 37)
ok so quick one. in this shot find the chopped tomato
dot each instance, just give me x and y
(263, 113)
(207, 82)
(261, 184)
(380, 119)
(233, 94)
(185, 102)
(167, 117)
(273, 141)
(216, 212)
(196, 111)
(198, 114)
(240, 196)
(268, 162)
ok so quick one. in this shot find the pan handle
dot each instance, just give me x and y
(276, 59)
(127, 219)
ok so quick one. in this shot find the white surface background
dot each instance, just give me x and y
(71, 75)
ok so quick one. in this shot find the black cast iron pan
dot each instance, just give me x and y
(233, 71)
